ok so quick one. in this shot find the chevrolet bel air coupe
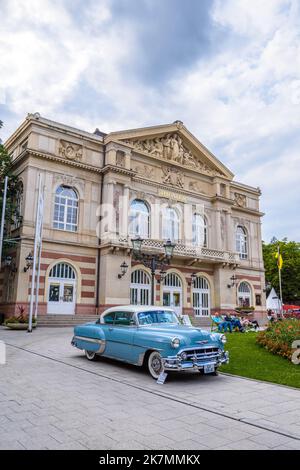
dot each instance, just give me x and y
(152, 337)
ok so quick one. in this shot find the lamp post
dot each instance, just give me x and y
(151, 261)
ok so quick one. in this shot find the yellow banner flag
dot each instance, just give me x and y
(279, 260)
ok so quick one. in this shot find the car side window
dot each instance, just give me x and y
(109, 318)
(123, 318)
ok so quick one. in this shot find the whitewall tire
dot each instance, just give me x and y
(90, 355)
(155, 364)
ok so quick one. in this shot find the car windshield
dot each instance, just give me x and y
(157, 316)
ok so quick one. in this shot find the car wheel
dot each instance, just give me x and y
(90, 355)
(155, 364)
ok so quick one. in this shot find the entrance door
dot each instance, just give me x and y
(201, 297)
(61, 291)
(172, 292)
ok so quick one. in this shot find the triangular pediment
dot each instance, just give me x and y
(174, 144)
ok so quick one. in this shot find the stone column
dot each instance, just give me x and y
(229, 231)
(217, 230)
(188, 224)
(127, 160)
(111, 156)
(155, 220)
(108, 223)
(124, 209)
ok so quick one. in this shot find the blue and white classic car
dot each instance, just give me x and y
(152, 337)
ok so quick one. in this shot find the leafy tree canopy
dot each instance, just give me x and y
(290, 272)
(13, 189)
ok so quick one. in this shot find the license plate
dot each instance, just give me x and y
(209, 368)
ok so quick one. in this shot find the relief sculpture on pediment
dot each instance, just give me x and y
(171, 148)
(172, 177)
(70, 150)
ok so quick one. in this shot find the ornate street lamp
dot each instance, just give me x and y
(124, 267)
(153, 261)
(169, 248)
(233, 281)
(7, 261)
(10, 264)
(137, 244)
(193, 278)
(29, 262)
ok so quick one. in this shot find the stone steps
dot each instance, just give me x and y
(73, 320)
(65, 320)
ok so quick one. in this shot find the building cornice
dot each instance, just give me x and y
(248, 211)
(55, 158)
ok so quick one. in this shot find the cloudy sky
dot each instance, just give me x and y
(229, 69)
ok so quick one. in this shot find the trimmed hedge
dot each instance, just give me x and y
(279, 336)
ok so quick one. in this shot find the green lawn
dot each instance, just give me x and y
(248, 359)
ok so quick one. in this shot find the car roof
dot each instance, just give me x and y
(135, 308)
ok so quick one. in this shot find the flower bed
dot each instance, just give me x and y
(279, 336)
(21, 322)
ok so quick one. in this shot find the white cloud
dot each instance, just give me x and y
(242, 102)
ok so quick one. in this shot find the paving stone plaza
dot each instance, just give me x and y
(51, 397)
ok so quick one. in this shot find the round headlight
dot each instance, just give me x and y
(223, 339)
(175, 342)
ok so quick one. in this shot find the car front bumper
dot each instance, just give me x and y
(198, 362)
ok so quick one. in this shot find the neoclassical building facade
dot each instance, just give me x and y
(103, 190)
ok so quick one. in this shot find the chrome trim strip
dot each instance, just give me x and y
(100, 342)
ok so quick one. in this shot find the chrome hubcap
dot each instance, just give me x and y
(156, 364)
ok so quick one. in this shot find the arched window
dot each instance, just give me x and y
(66, 209)
(199, 230)
(62, 271)
(139, 219)
(172, 280)
(241, 242)
(170, 224)
(140, 288)
(244, 294)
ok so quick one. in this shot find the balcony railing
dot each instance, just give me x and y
(182, 250)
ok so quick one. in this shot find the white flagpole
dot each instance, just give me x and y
(37, 281)
(280, 285)
(3, 216)
(35, 252)
(41, 216)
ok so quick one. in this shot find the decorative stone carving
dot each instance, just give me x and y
(172, 176)
(144, 171)
(70, 150)
(196, 187)
(69, 180)
(240, 200)
(171, 148)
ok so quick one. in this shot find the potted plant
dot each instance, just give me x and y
(19, 322)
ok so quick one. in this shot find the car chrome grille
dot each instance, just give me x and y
(199, 354)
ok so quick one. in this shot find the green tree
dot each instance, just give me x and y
(13, 189)
(290, 273)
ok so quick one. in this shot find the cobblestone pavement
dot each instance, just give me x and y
(51, 397)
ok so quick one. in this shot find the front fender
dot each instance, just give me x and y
(89, 337)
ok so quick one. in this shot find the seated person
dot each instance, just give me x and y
(235, 322)
(246, 323)
(222, 324)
